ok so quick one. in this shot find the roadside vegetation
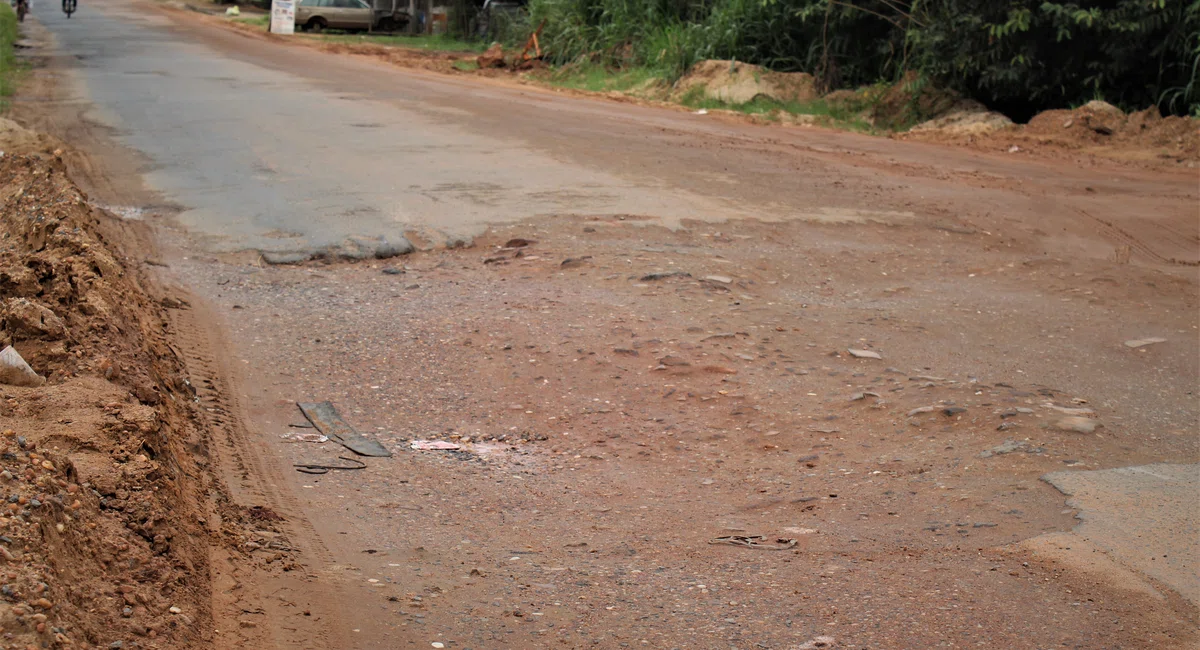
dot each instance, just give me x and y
(9, 68)
(1016, 56)
(260, 20)
(844, 116)
(649, 83)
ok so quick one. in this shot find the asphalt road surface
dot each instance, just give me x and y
(261, 155)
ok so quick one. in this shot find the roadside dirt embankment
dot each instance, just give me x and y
(102, 540)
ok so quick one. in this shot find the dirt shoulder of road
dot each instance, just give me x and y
(1087, 135)
(111, 512)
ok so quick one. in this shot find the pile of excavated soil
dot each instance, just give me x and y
(100, 532)
(734, 82)
(1096, 128)
(969, 119)
(1099, 124)
(401, 56)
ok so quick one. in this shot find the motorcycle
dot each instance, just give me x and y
(22, 9)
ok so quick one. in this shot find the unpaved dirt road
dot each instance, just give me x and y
(666, 364)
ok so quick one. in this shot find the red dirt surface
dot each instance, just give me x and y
(106, 530)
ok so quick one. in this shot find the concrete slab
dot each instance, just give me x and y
(1147, 518)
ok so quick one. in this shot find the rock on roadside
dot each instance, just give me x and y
(24, 317)
(1077, 424)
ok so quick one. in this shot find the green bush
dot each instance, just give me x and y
(1020, 56)
(1027, 55)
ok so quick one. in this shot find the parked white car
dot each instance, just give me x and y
(316, 15)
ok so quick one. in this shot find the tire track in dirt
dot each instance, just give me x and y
(1119, 236)
(281, 603)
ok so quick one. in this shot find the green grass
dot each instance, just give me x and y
(598, 78)
(438, 43)
(827, 114)
(261, 20)
(10, 69)
(466, 66)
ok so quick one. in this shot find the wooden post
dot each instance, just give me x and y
(533, 43)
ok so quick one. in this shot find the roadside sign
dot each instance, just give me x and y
(283, 16)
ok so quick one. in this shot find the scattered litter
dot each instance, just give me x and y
(864, 354)
(703, 111)
(15, 372)
(314, 468)
(1014, 149)
(800, 531)
(863, 395)
(1078, 424)
(233, 11)
(663, 275)
(518, 242)
(304, 437)
(756, 542)
(922, 409)
(718, 278)
(326, 419)
(434, 445)
(438, 644)
(818, 642)
(1138, 343)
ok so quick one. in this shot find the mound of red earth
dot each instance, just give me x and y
(102, 543)
(1100, 123)
(1096, 128)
